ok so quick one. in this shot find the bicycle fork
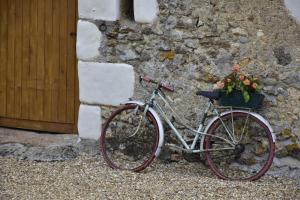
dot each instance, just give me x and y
(142, 118)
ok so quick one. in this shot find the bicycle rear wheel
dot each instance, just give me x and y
(252, 150)
(129, 138)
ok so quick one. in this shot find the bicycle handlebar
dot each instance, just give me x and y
(165, 86)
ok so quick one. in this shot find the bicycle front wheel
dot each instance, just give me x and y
(239, 146)
(129, 138)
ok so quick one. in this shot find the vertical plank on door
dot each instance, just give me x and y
(18, 60)
(48, 60)
(55, 66)
(71, 60)
(3, 55)
(38, 78)
(40, 60)
(62, 97)
(33, 60)
(10, 76)
(26, 59)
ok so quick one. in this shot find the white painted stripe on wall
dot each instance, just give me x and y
(105, 83)
(294, 7)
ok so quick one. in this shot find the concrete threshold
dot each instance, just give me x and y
(40, 146)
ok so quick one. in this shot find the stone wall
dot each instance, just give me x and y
(192, 44)
(104, 81)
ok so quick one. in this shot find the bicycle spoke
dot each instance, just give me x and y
(232, 125)
(129, 139)
(227, 130)
(251, 156)
(244, 129)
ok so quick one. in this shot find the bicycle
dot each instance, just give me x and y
(238, 144)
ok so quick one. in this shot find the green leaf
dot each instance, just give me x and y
(233, 84)
(241, 85)
(259, 88)
(246, 96)
(230, 88)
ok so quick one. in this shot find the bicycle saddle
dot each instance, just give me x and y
(213, 95)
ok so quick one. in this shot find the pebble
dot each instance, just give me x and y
(89, 178)
(244, 40)
(239, 31)
(260, 33)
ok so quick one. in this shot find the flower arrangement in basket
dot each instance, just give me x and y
(239, 90)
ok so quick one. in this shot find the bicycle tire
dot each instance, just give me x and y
(120, 147)
(251, 157)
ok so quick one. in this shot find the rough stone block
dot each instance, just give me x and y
(105, 83)
(89, 122)
(108, 10)
(145, 11)
(88, 40)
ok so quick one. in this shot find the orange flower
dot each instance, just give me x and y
(235, 68)
(242, 77)
(246, 82)
(220, 84)
(254, 85)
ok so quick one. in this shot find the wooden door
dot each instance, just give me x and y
(38, 78)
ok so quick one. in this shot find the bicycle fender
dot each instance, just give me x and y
(241, 111)
(159, 124)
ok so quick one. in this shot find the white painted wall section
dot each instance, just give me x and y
(105, 83)
(294, 7)
(89, 122)
(108, 10)
(88, 41)
(145, 11)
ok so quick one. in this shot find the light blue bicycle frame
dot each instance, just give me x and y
(199, 132)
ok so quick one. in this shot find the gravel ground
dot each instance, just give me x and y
(89, 178)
